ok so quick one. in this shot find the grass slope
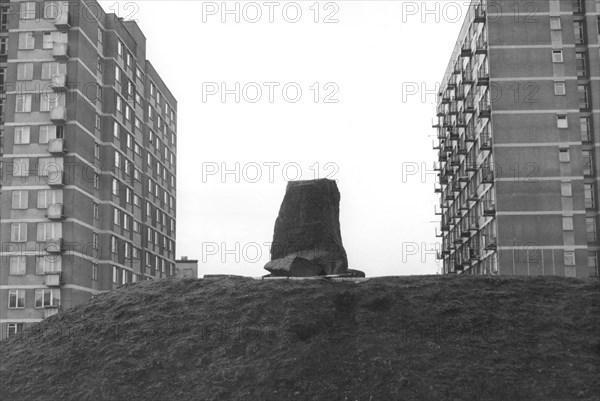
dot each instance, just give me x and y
(403, 338)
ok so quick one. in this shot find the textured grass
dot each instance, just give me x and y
(401, 338)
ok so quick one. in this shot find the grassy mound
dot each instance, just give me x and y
(403, 338)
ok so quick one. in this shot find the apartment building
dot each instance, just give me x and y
(518, 128)
(87, 201)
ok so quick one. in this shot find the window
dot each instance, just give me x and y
(586, 129)
(119, 104)
(20, 167)
(95, 241)
(26, 41)
(53, 68)
(120, 48)
(50, 38)
(577, 6)
(593, 263)
(25, 71)
(127, 113)
(128, 60)
(100, 36)
(23, 103)
(16, 299)
(49, 166)
(117, 74)
(49, 197)
(117, 160)
(579, 28)
(115, 187)
(13, 329)
(128, 195)
(564, 156)
(555, 23)
(99, 64)
(588, 162)
(138, 123)
(45, 298)
(152, 89)
(129, 141)
(126, 220)
(22, 135)
(590, 223)
(48, 231)
(583, 96)
(50, 101)
(567, 223)
(569, 258)
(137, 201)
(18, 232)
(113, 244)
(581, 64)
(49, 132)
(20, 199)
(116, 129)
(52, 10)
(47, 264)
(96, 180)
(96, 212)
(560, 89)
(97, 150)
(561, 121)
(17, 265)
(136, 227)
(28, 10)
(589, 192)
(115, 275)
(116, 217)
(98, 122)
(94, 272)
(557, 56)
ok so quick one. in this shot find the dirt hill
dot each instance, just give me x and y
(409, 338)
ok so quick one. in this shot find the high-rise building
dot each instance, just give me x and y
(519, 140)
(88, 164)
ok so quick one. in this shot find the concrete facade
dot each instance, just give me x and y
(519, 140)
(89, 160)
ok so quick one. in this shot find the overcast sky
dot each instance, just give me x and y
(357, 120)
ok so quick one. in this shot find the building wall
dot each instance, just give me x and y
(118, 193)
(539, 202)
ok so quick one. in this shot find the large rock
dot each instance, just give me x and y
(308, 227)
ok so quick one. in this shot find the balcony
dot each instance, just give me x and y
(54, 245)
(438, 189)
(57, 146)
(446, 98)
(60, 51)
(55, 211)
(58, 115)
(487, 175)
(491, 243)
(63, 19)
(52, 279)
(471, 165)
(59, 83)
(480, 14)
(469, 104)
(482, 46)
(468, 77)
(454, 135)
(489, 209)
(485, 109)
(483, 77)
(466, 50)
(453, 108)
(461, 121)
(459, 93)
(485, 141)
(458, 68)
(452, 82)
